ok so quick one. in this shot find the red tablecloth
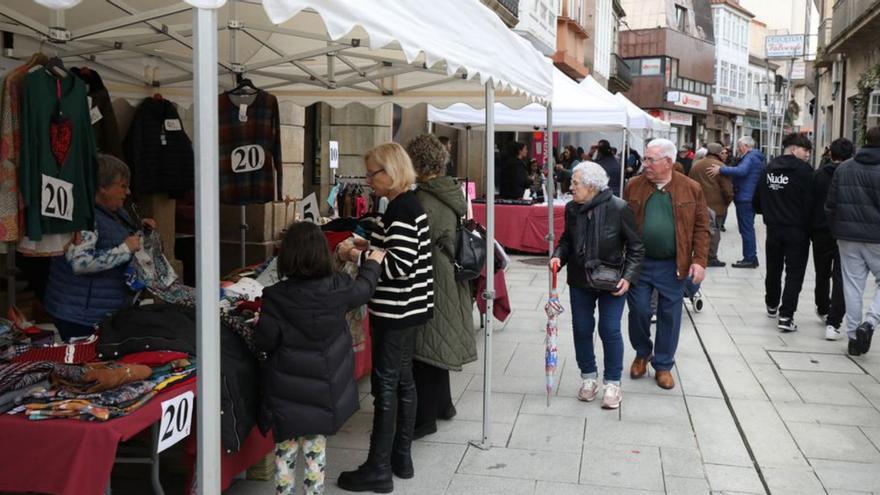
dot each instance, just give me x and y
(521, 227)
(67, 456)
(72, 457)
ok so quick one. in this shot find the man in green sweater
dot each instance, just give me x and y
(673, 218)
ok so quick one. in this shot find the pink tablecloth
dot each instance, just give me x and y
(523, 228)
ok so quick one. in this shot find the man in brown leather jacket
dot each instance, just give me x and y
(718, 191)
(672, 216)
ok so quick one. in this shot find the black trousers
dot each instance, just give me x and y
(432, 387)
(788, 249)
(394, 394)
(829, 279)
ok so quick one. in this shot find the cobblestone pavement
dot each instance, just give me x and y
(754, 410)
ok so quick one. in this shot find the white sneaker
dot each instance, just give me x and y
(611, 396)
(831, 333)
(588, 391)
(821, 316)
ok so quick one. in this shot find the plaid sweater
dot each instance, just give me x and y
(250, 149)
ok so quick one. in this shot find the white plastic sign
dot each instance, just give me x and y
(176, 420)
(308, 209)
(57, 200)
(334, 154)
(248, 158)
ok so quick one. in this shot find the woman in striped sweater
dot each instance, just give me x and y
(404, 299)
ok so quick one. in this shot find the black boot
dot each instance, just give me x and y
(401, 454)
(375, 474)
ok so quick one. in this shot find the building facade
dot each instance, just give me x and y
(670, 50)
(731, 24)
(537, 23)
(571, 55)
(847, 69)
(602, 51)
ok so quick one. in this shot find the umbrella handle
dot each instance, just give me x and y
(554, 268)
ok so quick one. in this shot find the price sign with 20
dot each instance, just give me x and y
(57, 198)
(176, 420)
(249, 158)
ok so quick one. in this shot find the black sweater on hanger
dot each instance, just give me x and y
(158, 151)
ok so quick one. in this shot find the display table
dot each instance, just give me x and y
(72, 457)
(521, 227)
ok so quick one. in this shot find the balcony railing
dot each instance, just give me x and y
(847, 13)
(620, 71)
(512, 6)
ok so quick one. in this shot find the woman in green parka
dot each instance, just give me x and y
(447, 342)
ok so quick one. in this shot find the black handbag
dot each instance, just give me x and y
(603, 276)
(470, 253)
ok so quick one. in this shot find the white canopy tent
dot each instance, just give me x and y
(574, 108)
(333, 51)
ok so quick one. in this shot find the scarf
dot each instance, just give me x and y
(591, 222)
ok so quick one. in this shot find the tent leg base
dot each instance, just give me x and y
(481, 444)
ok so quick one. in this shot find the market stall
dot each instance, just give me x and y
(330, 51)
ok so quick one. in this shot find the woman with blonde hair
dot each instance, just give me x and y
(403, 301)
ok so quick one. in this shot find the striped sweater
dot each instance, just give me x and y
(404, 296)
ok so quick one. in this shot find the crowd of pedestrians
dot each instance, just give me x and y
(643, 250)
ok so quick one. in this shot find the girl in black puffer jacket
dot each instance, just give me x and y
(308, 374)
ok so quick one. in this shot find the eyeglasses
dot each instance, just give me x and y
(652, 160)
(370, 175)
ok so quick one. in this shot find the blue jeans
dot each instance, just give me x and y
(745, 217)
(583, 306)
(659, 275)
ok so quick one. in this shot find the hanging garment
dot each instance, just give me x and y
(57, 169)
(101, 114)
(158, 151)
(50, 245)
(250, 149)
(10, 139)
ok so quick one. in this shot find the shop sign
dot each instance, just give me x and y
(675, 118)
(334, 154)
(752, 123)
(651, 66)
(784, 46)
(688, 100)
(798, 70)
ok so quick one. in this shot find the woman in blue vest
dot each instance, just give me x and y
(88, 282)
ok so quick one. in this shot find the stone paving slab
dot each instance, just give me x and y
(624, 466)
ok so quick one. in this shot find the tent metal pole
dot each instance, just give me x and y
(489, 295)
(623, 160)
(548, 158)
(207, 249)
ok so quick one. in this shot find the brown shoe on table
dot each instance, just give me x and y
(639, 367)
(664, 379)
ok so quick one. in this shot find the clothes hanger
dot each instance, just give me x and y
(244, 86)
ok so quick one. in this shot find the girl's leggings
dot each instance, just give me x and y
(314, 451)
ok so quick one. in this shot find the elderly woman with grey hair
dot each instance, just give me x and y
(446, 342)
(603, 250)
(88, 281)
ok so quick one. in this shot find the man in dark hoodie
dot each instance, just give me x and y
(853, 211)
(606, 159)
(826, 257)
(785, 197)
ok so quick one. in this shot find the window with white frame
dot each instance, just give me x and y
(722, 78)
(874, 104)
